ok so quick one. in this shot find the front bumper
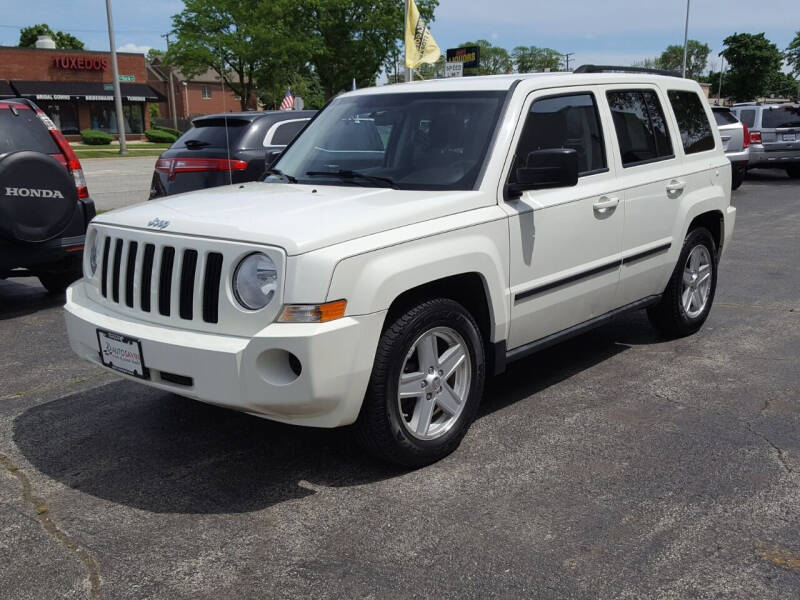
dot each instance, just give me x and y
(252, 375)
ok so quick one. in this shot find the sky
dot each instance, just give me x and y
(598, 32)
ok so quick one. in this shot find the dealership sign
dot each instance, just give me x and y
(80, 63)
(470, 56)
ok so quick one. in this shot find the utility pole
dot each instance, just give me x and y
(686, 39)
(172, 109)
(115, 71)
(566, 59)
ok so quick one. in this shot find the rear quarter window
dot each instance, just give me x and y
(284, 133)
(24, 131)
(693, 124)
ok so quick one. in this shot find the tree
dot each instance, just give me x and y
(696, 58)
(781, 85)
(494, 60)
(792, 55)
(250, 45)
(532, 58)
(355, 38)
(753, 61)
(63, 40)
(154, 54)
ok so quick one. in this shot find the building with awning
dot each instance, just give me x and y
(75, 87)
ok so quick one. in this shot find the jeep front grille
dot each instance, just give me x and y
(176, 276)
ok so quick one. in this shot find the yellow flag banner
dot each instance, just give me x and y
(420, 45)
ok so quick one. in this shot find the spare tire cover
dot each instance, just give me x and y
(37, 197)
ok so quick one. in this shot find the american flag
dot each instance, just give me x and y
(288, 101)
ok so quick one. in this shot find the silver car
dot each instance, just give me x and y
(735, 141)
(774, 135)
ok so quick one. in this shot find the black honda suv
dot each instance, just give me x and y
(225, 148)
(44, 203)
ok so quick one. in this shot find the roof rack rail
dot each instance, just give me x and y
(618, 69)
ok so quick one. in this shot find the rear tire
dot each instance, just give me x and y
(793, 171)
(57, 281)
(439, 400)
(686, 302)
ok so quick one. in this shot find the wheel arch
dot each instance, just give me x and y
(714, 221)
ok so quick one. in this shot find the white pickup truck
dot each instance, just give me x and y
(411, 241)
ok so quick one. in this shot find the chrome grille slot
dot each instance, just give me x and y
(147, 276)
(115, 274)
(165, 280)
(188, 267)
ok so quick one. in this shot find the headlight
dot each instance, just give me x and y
(255, 281)
(92, 252)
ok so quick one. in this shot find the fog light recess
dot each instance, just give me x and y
(278, 367)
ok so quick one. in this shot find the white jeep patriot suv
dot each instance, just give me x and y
(413, 239)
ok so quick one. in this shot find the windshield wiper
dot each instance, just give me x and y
(350, 174)
(196, 143)
(279, 173)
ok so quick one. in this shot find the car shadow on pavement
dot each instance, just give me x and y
(24, 296)
(163, 453)
(772, 176)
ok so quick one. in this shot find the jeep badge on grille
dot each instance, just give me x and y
(158, 224)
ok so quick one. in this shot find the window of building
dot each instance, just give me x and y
(640, 125)
(569, 121)
(206, 92)
(64, 115)
(104, 117)
(693, 122)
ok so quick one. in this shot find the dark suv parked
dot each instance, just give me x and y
(44, 202)
(201, 159)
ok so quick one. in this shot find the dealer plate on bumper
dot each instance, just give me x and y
(122, 354)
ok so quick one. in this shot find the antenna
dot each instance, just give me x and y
(225, 117)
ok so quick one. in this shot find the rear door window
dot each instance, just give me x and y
(213, 133)
(640, 125)
(692, 120)
(569, 121)
(784, 116)
(748, 117)
(24, 131)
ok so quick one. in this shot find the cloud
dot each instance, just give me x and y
(134, 48)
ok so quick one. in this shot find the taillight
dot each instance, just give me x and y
(172, 166)
(71, 160)
(746, 134)
(755, 137)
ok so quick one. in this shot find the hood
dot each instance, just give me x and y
(298, 218)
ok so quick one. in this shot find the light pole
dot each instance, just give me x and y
(686, 39)
(115, 72)
(173, 110)
(186, 95)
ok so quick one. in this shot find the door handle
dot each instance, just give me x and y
(675, 187)
(605, 205)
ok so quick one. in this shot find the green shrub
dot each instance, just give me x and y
(160, 136)
(174, 132)
(96, 138)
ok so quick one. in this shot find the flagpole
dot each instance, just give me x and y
(409, 74)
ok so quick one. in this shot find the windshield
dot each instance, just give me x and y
(419, 141)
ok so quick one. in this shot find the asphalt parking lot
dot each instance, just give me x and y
(617, 465)
(117, 182)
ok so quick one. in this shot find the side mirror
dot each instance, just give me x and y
(271, 158)
(549, 168)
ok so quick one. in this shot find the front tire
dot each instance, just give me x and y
(793, 171)
(737, 178)
(686, 302)
(426, 385)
